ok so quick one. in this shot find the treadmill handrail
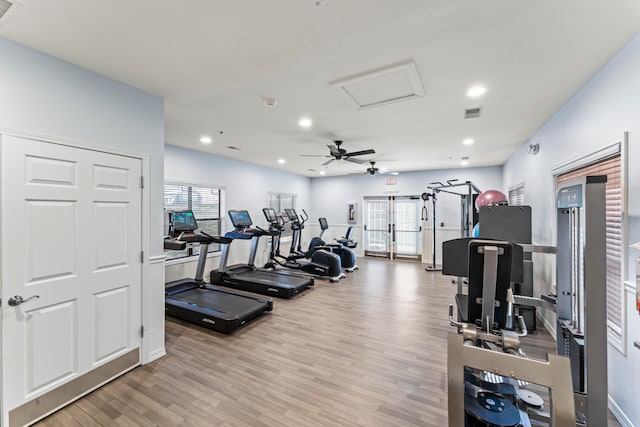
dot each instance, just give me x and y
(199, 237)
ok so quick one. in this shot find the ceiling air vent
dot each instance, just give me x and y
(472, 113)
(379, 87)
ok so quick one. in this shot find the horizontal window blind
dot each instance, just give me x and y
(612, 167)
(516, 196)
(207, 204)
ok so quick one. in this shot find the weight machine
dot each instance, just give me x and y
(468, 215)
(581, 288)
(491, 382)
(486, 347)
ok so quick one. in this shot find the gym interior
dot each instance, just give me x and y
(180, 247)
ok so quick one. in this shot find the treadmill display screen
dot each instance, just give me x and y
(240, 219)
(184, 221)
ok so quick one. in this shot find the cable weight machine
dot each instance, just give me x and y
(576, 377)
(467, 191)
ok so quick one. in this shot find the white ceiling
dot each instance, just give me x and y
(214, 62)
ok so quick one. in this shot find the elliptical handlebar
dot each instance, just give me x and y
(303, 217)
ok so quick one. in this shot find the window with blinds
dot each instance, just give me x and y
(207, 204)
(612, 167)
(516, 195)
(279, 202)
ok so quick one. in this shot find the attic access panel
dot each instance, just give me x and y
(7, 9)
(383, 86)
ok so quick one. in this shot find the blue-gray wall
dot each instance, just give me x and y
(600, 112)
(51, 98)
(331, 195)
(45, 95)
(246, 187)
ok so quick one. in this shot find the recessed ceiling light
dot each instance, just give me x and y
(476, 91)
(305, 122)
(468, 141)
(206, 139)
(282, 161)
(464, 162)
(322, 172)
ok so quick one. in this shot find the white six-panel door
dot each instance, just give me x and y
(71, 248)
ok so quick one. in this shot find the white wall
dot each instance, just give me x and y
(44, 95)
(602, 110)
(246, 187)
(331, 195)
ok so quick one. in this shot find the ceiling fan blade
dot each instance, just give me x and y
(358, 161)
(360, 153)
(327, 162)
(334, 150)
(313, 155)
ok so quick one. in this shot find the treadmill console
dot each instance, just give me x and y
(240, 219)
(182, 221)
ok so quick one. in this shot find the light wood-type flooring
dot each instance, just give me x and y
(367, 351)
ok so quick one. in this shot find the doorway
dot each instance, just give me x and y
(72, 273)
(392, 227)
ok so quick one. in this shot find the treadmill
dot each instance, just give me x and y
(248, 277)
(193, 300)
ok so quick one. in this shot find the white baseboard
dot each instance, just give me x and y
(619, 414)
(154, 355)
(548, 326)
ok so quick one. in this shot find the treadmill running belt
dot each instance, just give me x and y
(266, 282)
(216, 309)
(274, 279)
(228, 306)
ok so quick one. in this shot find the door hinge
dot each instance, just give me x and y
(142, 182)
(141, 331)
(141, 257)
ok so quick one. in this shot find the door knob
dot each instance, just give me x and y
(17, 300)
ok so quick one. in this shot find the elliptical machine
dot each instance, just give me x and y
(347, 239)
(347, 256)
(322, 264)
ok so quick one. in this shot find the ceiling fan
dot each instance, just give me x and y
(373, 170)
(337, 153)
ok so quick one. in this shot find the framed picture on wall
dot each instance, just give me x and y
(351, 213)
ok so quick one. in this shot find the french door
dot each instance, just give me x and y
(392, 227)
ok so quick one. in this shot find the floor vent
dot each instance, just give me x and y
(382, 86)
(472, 113)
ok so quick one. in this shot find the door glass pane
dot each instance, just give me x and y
(407, 227)
(377, 223)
